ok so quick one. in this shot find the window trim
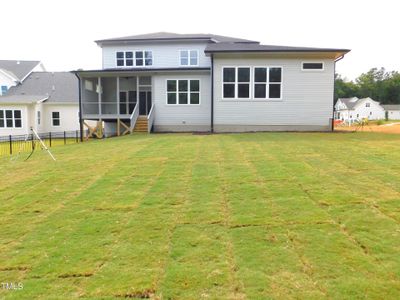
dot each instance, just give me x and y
(52, 119)
(177, 92)
(134, 58)
(312, 62)
(252, 82)
(188, 51)
(3, 89)
(12, 118)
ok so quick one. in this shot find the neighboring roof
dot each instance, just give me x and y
(19, 68)
(23, 99)
(349, 102)
(242, 47)
(391, 106)
(57, 86)
(159, 36)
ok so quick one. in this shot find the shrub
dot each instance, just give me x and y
(380, 122)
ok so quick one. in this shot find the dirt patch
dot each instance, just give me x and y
(387, 128)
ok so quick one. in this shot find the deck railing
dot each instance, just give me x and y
(150, 118)
(134, 116)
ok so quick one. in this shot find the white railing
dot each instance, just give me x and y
(150, 118)
(134, 116)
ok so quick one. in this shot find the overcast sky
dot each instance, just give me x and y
(60, 33)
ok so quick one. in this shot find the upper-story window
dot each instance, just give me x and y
(189, 57)
(3, 89)
(134, 58)
(367, 104)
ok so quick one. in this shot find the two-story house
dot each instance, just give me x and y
(170, 82)
(351, 110)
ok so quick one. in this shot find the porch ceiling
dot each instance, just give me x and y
(136, 71)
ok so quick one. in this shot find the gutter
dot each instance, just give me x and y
(334, 86)
(212, 93)
(80, 106)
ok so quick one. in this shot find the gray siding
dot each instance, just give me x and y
(307, 98)
(165, 55)
(182, 117)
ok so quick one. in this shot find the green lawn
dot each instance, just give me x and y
(176, 216)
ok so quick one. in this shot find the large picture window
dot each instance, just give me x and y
(267, 82)
(183, 91)
(236, 82)
(134, 58)
(10, 118)
(189, 57)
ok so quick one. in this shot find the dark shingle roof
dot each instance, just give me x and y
(159, 36)
(19, 68)
(391, 106)
(58, 86)
(350, 102)
(242, 47)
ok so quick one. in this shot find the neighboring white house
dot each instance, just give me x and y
(203, 82)
(14, 72)
(46, 101)
(350, 110)
(392, 111)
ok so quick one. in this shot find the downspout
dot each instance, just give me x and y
(80, 107)
(212, 93)
(334, 86)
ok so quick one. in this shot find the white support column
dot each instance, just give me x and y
(118, 106)
(137, 91)
(100, 93)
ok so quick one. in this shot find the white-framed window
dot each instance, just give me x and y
(4, 89)
(189, 57)
(137, 58)
(55, 118)
(183, 91)
(38, 117)
(10, 118)
(236, 83)
(312, 66)
(367, 104)
(267, 83)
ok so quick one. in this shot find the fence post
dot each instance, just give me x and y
(65, 139)
(76, 136)
(10, 144)
(33, 142)
(50, 138)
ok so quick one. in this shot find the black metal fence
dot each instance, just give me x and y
(14, 144)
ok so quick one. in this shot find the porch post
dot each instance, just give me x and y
(118, 111)
(137, 91)
(100, 92)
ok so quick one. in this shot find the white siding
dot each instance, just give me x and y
(182, 117)
(164, 55)
(394, 114)
(374, 112)
(69, 117)
(307, 96)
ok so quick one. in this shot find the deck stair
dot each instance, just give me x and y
(141, 124)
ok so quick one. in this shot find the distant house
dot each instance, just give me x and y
(46, 101)
(393, 111)
(13, 72)
(350, 110)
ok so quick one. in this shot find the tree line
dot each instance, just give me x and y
(377, 84)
